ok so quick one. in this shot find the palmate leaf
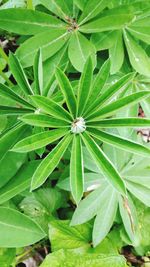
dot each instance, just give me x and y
(17, 229)
(120, 142)
(76, 169)
(111, 108)
(38, 140)
(50, 162)
(104, 164)
(109, 93)
(28, 22)
(41, 120)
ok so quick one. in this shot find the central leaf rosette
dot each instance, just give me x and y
(78, 126)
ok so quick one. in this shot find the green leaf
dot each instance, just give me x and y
(49, 42)
(5, 110)
(50, 198)
(59, 59)
(80, 3)
(67, 91)
(39, 140)
(62, 258)
(116, 53)
(120, 142)
(7, 256)
(19, 183)
(91, 181)
(140, 192)
(3, 123)
(38, 73)
(89, 206)
(62, 235)
(111, 91)
(89, 163)
(8, 140)
(76, 169)
(105, 216)
(19, 74)
(141, 33)
(80, 48)
(104, 164)
(143, 219)
(107, 23)
(84, 87)
(18, 230)
(138, 57)
(120, 122)
(129, 218)
(49, 106)
(139, 29)
(99, 82)
(103, 40)
(10, 94)
(91, 10)
(58, 7)
(9, 166)
(111, 108)
(138, 174)
(50, 162)
(28, 22)
(41, 120)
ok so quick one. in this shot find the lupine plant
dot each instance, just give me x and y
(82, 121)
(74, 133)
(82, 124)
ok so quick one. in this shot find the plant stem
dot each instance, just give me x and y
(30, 4)
(25, 253)
(6, 78)
(3, 54)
